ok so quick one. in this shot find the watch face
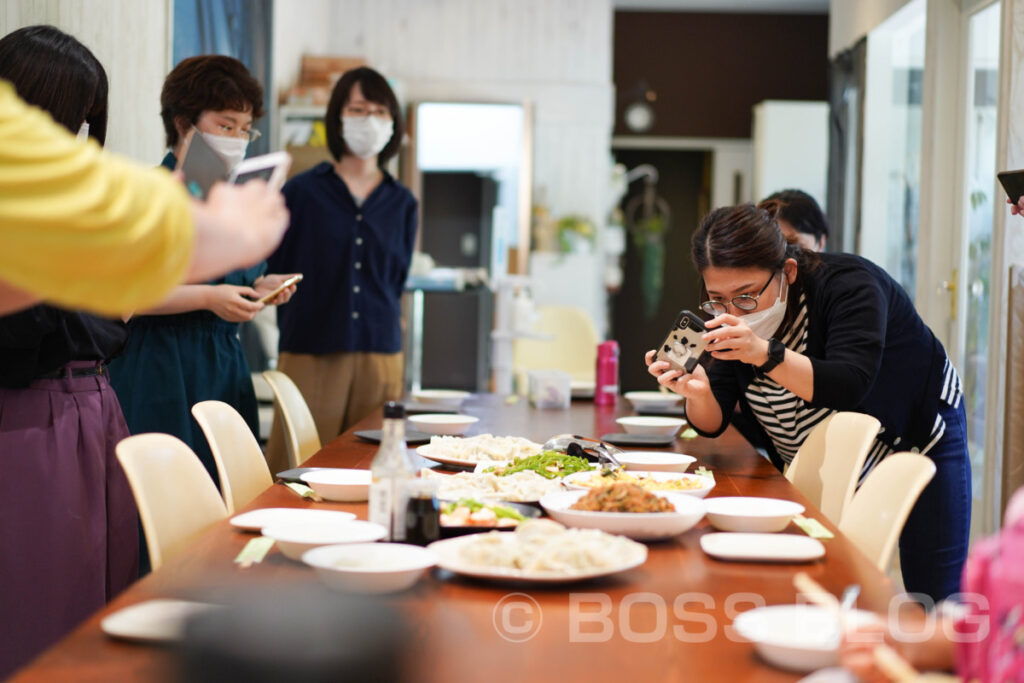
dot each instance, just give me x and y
(639, 117)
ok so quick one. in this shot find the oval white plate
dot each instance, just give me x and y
(448, 557)
(450, 398)
(641, 399)
(651, 425)
(153, 621)
(762, 547)
(644, 526)
(257, 520)
(443, 424)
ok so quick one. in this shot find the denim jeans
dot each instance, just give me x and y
(933, 545)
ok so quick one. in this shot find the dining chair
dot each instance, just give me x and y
(301, 438)
(241, 466)
(828, 464)
(570, 346)
(875, 517)
(176, 497)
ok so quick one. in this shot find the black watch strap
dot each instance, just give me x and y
(776, 354)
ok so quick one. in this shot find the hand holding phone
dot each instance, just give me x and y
(295, 279)
(1013, 183)
(684, 346)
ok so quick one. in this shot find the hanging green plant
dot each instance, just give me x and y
(574, 230)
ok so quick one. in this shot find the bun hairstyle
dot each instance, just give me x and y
(748, 236)
(800, 210)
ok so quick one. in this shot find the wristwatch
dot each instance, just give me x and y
(776, 354)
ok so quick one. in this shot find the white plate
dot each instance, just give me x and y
(651, 425)
(796, 637)
(651, 399)
(295, 539)
(762, 547)
(751, 513)
(340, 484)
(153, 621)
(449, 398)
(707, 484)
(644, 526)
(655, 461)
(425, 451)
(370, 568)
(448, 550)
(443, 424)
(257, 520)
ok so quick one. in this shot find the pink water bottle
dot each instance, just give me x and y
(606, 386)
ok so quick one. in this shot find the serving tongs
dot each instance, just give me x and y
(583, 447)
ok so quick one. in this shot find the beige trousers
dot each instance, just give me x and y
(340, 390)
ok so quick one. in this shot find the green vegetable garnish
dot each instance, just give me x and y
(704, 472)
(549, 464)
(476, 506)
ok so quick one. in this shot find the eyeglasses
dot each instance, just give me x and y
(230, 131)
(744, 302)
(362, 111)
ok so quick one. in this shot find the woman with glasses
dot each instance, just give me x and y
(352, 235)
(797, 336)
(187, 349)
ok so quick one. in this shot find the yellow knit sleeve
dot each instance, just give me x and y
(83, 228)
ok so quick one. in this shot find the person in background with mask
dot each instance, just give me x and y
(352, 235)
(798, 336)
(187, 349)
(801, 219)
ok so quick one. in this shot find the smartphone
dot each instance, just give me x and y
(683, 348)
(1013, 183)
(271, 167)
(201, 166)
(295, 279)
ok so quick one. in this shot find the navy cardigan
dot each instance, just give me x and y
(870, 351)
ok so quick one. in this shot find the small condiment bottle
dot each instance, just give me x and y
(422, 513)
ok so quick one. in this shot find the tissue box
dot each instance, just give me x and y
(550, 389)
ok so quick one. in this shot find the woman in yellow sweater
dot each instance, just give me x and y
(89, 230)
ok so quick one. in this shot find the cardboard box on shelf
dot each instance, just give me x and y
(325, 70)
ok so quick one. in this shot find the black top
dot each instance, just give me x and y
(354, 261)
(42, 339)
(870, 351)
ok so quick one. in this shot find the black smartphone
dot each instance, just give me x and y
(684, 347)
(201, 166)
(1013, 183)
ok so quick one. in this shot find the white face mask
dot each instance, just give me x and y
(232, 150)
(366, 136)
(83, 131)
(766, 323)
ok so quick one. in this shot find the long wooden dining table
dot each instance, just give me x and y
(668, 619)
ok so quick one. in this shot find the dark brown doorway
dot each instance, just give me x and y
(638, 322)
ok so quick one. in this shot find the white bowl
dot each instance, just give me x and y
(346, 486)
(442, 423)
(447, 398)
(652, 425)
(763, 515)
(706, 483)
(651, 399)
(796, 637)
(644, 526)
(295, 539)
(655, 461)
(370, 567)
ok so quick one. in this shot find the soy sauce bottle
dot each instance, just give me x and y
(422, 514)
(390, 471)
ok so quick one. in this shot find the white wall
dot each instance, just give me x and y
(555, 53)
(791, 147)
(851, 20)
(131, 38)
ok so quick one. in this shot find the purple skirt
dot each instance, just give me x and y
(68, 522)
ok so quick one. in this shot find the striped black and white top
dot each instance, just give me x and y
(788, 419)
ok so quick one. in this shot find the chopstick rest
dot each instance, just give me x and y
(254, 551)
(812, 527)
(304, 491)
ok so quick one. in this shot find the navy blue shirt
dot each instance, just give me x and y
(354, 261)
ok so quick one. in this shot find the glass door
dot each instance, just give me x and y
(979, 199)
(891, 171)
